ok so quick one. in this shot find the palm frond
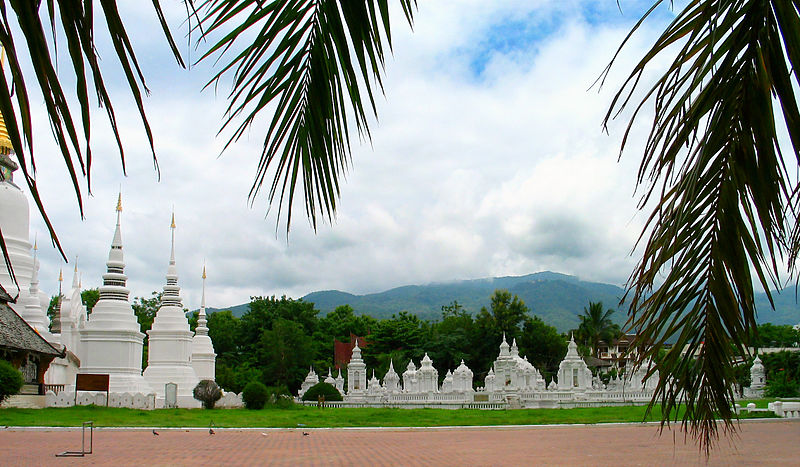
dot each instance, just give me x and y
(714, 167)
(311, 62)
(74, 21)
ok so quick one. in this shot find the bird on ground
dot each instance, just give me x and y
(305, 434)
(263, 434)
(155, 433)
(211, 431)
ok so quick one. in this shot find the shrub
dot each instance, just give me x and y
(280, 397)
(207, 392)
(10, 380)
(255, 395)
(322, 389)
(781, 388)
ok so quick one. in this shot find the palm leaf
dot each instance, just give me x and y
(724, 202)
(310, 63)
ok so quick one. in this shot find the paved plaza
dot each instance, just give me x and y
(759, 442)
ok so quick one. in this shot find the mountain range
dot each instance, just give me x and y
(556, 298)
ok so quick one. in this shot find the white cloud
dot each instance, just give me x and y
(470, 173)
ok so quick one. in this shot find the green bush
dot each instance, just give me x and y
(322, 389)
(10, 380)
(781, 388)
(207, 392)
(255, 395)
(280, 397)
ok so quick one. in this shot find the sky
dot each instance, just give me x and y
(488, 158)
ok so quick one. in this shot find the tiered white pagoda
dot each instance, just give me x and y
(15, 224)
(203, 356)
(356, 374)
(111, 342)
(573, 374)
(427, 376)
(170, 342)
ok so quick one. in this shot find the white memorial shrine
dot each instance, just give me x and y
(203, 356)
(111, 342)
(170, 342)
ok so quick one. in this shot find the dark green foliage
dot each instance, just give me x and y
(207, 392)
(322, 389)
(51, 308)
(89, 297)
(10, 380)
(543, 345)
(783, 374)
(770, 335)
(255, 395)
(596, 325)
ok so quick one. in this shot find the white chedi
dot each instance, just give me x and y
(573, 374)
(330, 379)
(204, 359)
(391, 381)
(111, 342)
(757, 375)
(311, 380)
(427, 376)
(410, 378)
(340, 382)
(170, 342)
(356, 373)
(462, 379)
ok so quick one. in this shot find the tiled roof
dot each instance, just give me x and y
(15, 333)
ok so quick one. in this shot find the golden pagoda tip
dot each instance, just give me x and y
(172, 225)
(119, 202)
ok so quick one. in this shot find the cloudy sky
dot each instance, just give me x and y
(488, 158)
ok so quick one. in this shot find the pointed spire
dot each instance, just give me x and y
(171, 295)
(75, 280)
(202, 323)
(115, 280)
(55, 324)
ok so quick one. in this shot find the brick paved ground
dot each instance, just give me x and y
(762, 443)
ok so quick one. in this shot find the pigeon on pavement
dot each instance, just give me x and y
(155, 433)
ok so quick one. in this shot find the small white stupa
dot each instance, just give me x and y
(356, 373)
(170, 341)
(111, 342)
(572, 371)
(427, 376)
(15, 224)
(391, 381)
(203, 357)
(33, 313)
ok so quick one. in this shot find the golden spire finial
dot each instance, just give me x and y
(5, 142)
(172, 225)
(76, 263)
(119, 202)
(204, 271)
(60, 276)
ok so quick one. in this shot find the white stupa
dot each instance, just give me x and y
(111, 342)
(170, 341)
(356, 373)
(15, 224)
(203, 357)
(573, 374)
(33, 313)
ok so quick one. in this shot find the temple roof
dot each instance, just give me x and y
(16, 334)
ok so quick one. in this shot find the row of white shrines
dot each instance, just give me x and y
(512, 382)
(109, 342)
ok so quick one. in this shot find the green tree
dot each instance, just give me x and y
(770, 335)
(51, 307)
(543, 345)
(596, 326)
(89, 297)
(284, 354)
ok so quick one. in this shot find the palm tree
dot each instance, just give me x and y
(596, 326)
(713, 164)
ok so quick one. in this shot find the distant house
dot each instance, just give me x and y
(21, 345)
(616, 352)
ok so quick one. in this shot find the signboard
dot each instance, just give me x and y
(91, 382)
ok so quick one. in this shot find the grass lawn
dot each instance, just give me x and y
(313, 417)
